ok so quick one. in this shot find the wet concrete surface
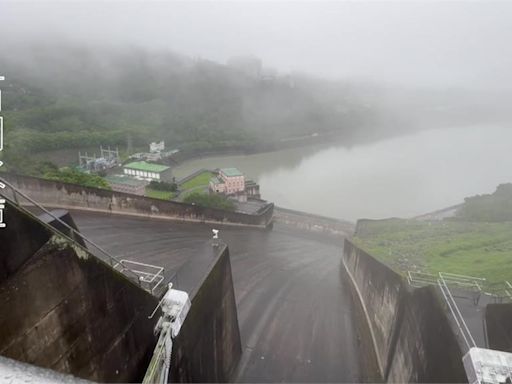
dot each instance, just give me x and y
(295, 313)
(473, 313)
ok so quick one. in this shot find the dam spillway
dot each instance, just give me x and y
(277, 305)
(294, 310)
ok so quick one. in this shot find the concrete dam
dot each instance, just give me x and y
(284, 304)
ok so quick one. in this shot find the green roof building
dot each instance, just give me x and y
(148, 171)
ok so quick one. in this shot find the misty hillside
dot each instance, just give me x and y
(495, 207)
(73, 96)
(63, 97)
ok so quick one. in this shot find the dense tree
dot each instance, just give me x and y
(496, 207)
(98, 97)
(73, 176)
(163, 186)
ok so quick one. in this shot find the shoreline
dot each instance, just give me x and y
(244, 150)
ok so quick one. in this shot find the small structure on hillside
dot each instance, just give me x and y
(157, 153)
(148, 171)
(127, 184)
(157, 147)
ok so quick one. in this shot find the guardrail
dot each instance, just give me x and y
(150, 276)
(457, 316)
(500, 292)
(151, 282)
(464, 285)
(420, 279)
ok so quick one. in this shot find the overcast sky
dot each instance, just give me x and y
(426, 43)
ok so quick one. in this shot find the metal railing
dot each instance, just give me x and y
(463, 281)
(448, 283)
(151, 282)
(150, 276)
(457, 315)
(420, 279)
(477, 286)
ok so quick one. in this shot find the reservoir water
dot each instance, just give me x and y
(402, 177)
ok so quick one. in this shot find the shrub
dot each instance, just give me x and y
(163, 186)
(210, 201)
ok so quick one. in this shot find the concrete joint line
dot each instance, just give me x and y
(374, 341)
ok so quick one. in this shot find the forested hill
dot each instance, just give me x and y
(66, 96)
(495, 207)
(72, 96)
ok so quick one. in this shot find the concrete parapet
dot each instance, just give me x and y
(208, 347)
(70, 196)
(408, 330)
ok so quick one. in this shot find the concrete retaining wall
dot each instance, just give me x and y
(407, 330)
(66, 310)
(208, 347)
(313, 223)
(71, 196)
(498, 322)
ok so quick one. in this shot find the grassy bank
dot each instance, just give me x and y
(163, 195)
(470, 248)
(201, 180)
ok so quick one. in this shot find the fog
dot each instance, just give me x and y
(355, 82)
(428, 43)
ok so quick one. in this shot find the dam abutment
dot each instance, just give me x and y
(208, 347)
(67, 310)
(57, 194)
(407, 329)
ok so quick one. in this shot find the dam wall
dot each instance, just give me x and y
(71, 196)
(313, 223)
(64, 309)
(405, 331)
(208, 347)
(498, 324)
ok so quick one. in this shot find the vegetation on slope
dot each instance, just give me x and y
(159, 194)
(477, 242)
(210, 201)
(469, 248)
(201, 180)
(73, 176)
(162, 186)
